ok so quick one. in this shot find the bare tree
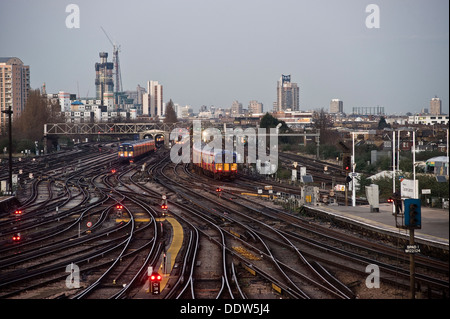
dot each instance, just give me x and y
(323, 124)
(30, 124)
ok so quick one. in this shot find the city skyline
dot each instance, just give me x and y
(213, 53)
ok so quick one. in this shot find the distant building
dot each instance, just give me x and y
(435, 106)
(287, 95)
(152, 102)
(336, 106)
(186, 111)
(14, 88)
(64, 101)
(135, 98)
(103, 76)
(428, 119)
(369, 110)
(90, 111)
(255, 107)
(295, 119)
(236, 109)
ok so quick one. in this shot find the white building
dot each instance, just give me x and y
(152, 102)
(428, 119)
(108, 100)
(64, 101)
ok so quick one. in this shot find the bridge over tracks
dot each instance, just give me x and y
(143, 129)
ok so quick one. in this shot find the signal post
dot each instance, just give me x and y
(412, 220)
(346, 164)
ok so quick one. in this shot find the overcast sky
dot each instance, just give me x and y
(211, 52)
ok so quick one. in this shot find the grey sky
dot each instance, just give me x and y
(213, 52)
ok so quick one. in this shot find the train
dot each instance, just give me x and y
(159, 141)
(129, 151)
(208, 163)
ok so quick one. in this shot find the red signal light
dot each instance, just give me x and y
(118, 206)
(18, 212)
(164, 206)
(113, 171)
(16, 237)
(155, 277)
(390, 200)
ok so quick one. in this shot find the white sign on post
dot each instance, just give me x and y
(407, 188)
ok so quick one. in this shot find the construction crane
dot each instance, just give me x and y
(116, 50)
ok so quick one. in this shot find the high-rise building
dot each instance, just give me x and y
(255, 107)
(435, 106)
(14, 88)
(336, 106)
(288, 94)
(152, 102)
(103, 76)
(236, 108)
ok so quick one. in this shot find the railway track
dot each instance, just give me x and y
(438, 284)
(234, 247)
(263, 249)
(52, 239)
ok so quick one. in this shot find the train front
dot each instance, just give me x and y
(225, 165)
(126, 152)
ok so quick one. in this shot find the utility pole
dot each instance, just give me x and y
(10, 112)
(353, 172)
(393, 168)
(414, 162)
(398, 151)
(412, 267)
(447, 152)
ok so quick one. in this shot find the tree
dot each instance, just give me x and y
(382, 123)
(30, 124)
(170, 116)
(269, 121)
(323, 124)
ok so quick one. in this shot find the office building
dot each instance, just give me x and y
(152, 102)
(336, 106)
(436, 106)
(288, 95)
(236, 109)
(14, 88)
(255, 107)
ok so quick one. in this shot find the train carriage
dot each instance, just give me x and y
(214, 163)
(129, 151)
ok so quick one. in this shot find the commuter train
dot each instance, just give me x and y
(159, 141)
(208, 162)
(130, 151)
